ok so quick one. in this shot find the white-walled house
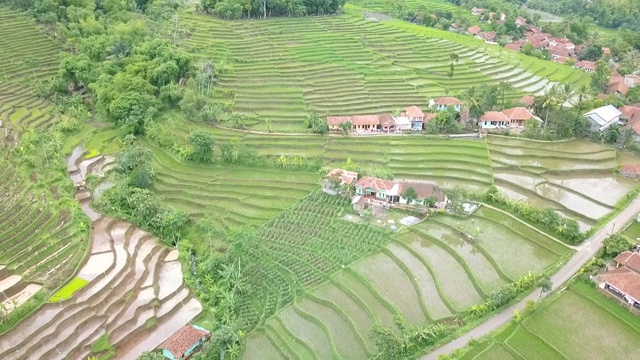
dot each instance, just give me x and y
(442, 103)
(603, 117)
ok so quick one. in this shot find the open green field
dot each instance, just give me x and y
(428, 273)
(26, 55)
(281, 69)
(573, 177)
(579, 323)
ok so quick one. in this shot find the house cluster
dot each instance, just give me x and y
(411, 119)
(489, 18)
(370, 190)
(509, 118)
(624, 280)
(620, 85)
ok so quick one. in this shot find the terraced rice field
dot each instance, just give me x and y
(580, 323)
(129, 288)
(41, 242)
(281, 69)
(235, 196)
(26, 55)
(300, 249)
(449, 162)
(429, 272)
(574, 177)
(131, 281)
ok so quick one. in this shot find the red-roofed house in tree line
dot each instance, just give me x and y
(186, 341)
(411, 119)
(624, 280)
(369, 190)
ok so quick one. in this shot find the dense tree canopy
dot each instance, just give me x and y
(237, 9)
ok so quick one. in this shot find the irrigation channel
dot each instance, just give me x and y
(585, 252)
(134, 296)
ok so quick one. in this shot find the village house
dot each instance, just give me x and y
(442, 103)
(372, 190)
(508, 118)
(588, 66)
(624, 280)
(474, 30)
(630, 115)
(381, 190)
(631, 171)
(488, 36)
(424, 191)
(337, 179)
(528, 101)
(184, 342)
(413, 118)
(477, 11)
(601, 118)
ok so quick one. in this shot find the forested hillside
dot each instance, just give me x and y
(237, 9)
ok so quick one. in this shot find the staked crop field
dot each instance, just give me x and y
(281, 69)
(427, 273)
(579, 323)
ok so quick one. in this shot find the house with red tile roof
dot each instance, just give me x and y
(416, 117)
(515, 46)
(477, 11)
(337, 179)
(474, 30)
(184, 342)
(518, 115)
(442, 103)
(424, 191)
(624, 280)
(493, 120)
(588, 66)
(527, 101)
(488, 36)
(382, 190)
(631, 171)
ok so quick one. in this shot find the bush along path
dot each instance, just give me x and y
(134, 297)
(583, 254)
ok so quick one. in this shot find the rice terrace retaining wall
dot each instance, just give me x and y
(134, 294)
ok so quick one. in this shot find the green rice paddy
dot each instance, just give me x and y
(427, 273)
(579, 323)
(68, 290)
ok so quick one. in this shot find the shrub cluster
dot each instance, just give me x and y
(564, 227)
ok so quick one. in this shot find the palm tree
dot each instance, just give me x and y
(632, 57)
(120, 49)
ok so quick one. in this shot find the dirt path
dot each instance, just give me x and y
(584, 253)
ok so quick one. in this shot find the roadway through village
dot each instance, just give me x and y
(584, 253)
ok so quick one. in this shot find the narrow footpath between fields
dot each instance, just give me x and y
(583, 254)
